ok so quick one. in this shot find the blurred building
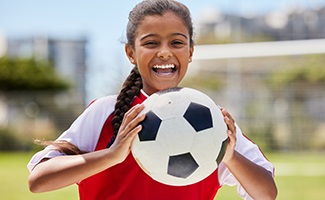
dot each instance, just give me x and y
(291, 117)
(46, 111)
(294, 23)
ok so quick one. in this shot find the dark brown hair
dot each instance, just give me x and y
(157, 7)
(133, 83)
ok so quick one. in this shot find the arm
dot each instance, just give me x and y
(62, 171)
(257, 181)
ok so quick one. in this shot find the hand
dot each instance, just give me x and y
(129, 128)
(256, 180)
(231, 132)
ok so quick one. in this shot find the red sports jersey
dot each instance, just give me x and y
(128, 181)
(92, 131)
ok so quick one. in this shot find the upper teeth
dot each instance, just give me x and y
(164, 66)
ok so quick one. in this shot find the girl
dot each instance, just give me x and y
(95, 151)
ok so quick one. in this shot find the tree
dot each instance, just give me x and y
(28, 74)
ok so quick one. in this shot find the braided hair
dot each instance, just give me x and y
(130, 89)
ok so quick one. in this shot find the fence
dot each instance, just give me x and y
(285, 117)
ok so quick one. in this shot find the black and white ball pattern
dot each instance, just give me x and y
(183, 137)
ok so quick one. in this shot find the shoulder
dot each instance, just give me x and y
(107, 100)
(102, 104)
(85, 130)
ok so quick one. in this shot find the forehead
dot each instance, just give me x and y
(156, 24)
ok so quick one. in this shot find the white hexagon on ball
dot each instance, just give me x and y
(183, 137)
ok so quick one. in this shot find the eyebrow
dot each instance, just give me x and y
(154, 35)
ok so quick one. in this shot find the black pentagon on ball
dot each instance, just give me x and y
(198, 116)
(150, 126)
(222, 151)
(181, 166)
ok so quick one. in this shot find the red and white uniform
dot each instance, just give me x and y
(92, 131)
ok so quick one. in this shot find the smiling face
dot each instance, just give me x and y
(162, 51)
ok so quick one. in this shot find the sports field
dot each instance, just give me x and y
(298, 177)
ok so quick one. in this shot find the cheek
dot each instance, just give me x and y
(184, 55)
(145, 57)
(183, 71)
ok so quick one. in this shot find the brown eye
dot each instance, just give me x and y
(178, 43)
(151, 44)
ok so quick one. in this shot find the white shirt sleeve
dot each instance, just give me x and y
(84, 132)
(251, 151)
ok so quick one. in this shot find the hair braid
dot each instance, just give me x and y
(130, 89)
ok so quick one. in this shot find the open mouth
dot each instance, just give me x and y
(164, 70)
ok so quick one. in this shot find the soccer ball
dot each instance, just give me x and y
(183, 137)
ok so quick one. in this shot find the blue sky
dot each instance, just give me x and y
(103, 23)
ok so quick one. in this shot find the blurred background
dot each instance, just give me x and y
(262, 60)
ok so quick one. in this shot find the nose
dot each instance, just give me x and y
(164, 54)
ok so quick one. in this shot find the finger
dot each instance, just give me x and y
(227, 114)
(131, 135)
(132, 113)
(231, 136)
(230, 124)
(134, 123)
(130, 121)
(228, 120)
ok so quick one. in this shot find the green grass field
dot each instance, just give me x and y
(298, 177)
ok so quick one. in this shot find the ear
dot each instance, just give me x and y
(191, 53)
(130, 53)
